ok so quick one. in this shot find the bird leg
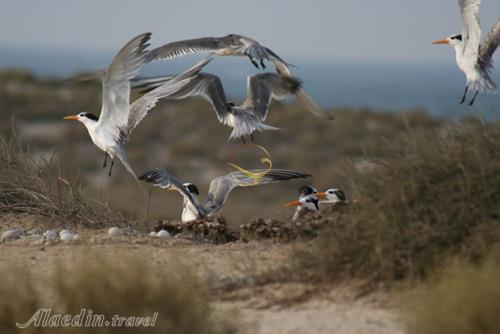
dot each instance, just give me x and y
(474, 98)
(465, 94)
(111, 168)
(262, 63)
(251, 137)
(105, 160)
(243, 140)
(253, 62)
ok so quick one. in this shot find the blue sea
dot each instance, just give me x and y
(392, 86)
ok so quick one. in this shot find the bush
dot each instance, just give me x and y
(108, 285)
(433, 194)
(28, 185)
(463, 299)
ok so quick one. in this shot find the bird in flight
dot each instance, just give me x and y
(474, 57)
(111, 130)
(229, 45)
(250, 115)
(219, 189)
(310, 199)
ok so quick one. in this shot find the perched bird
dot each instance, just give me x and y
(473, 57)
(332, 195)
(250, 115)
(219, 189)
(229, 45)
(118, 117)
(310, 200)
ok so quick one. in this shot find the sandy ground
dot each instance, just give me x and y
(261, 308)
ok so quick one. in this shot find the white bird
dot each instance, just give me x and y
(308, 202)
(51, 235)
(229, 45)
(474, 57)
(118, 117)
(250, 115)
(310, 199)
(219, 189)
(12, 234)
(234, 45)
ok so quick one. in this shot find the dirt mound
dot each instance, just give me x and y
(211, 230)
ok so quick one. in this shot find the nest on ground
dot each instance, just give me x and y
(307, 227)
(211, 230)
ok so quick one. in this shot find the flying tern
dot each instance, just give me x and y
(219, 189)
(118, 117)
(474, 57)
(229, 45)
(250, 115)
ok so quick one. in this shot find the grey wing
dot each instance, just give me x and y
(116, 85)
(263, 87)
(209, 87)
(160, 177)
(489, 46)
(140, 108)
(221, 187)
(189, 46)
(471, 31)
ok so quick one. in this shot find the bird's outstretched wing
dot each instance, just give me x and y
(489, 45)
(223, 185)
(140, 108)
(189, 46)
(263, 87)
(471, 31)
(160, 177)
(116, 85)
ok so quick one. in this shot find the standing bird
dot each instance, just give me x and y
(473, 57)
(118, 117)
(229, 45)
(248, 116)
(310, 200)
(218, 191)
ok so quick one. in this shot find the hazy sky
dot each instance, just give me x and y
(398, 30)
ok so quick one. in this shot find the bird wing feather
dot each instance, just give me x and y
(116, 86)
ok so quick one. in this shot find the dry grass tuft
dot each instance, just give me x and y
(121, 284)
(30, 185)
(463, 299)
(434, 193)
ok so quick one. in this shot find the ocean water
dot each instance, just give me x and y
(392, 86)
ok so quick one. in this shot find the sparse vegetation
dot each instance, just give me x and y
(30, 185)
(434, 193)
(122, 284)
(462, 299)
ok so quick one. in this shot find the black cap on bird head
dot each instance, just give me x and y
(307, 190)
(192, 188)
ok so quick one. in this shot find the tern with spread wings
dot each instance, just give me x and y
(118, 117)
(219, 188)
(474, 57)
(247, 117)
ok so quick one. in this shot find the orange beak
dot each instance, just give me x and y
(71, 118)
(293, 203)
(440, 41)
(321, 195)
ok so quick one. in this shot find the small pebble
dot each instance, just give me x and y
(67, 235)
(115, 232)
(51, 235)
(11, 234)
(163, 234)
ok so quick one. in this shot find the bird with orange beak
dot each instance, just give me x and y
(111, 130)
(474, 57)
(310, 199)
